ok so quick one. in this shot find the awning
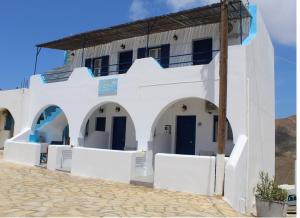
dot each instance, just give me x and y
(189, 18)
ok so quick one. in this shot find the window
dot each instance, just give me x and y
(125, 61)
(100, 124)
(99, 65)
(155, 53)
(160, 53)
(202, 51)
(215, 130)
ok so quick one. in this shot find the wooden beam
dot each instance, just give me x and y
(223, 76)
(220, 157)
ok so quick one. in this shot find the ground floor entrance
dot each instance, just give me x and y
(185, 135)
(119, 133)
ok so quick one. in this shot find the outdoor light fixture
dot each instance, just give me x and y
(123, 46)
(101, 110)
(184, 107)
(118, 109)
(175, 37)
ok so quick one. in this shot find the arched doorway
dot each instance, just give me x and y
(109, 126)
(189, 127)
(7, 124)
(50, 126)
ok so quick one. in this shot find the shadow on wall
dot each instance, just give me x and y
(7, 124)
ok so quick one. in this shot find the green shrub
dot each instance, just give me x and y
(267, 189)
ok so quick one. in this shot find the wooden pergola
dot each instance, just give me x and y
(188, 18)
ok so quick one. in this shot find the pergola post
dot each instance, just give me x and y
(38, 50)
(220, 160)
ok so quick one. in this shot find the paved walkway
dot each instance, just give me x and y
(31, 191)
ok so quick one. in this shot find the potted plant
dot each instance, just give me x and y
(271, 201)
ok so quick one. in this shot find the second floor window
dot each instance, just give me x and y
(202, 51)
(99, 65)
(155, 53)
(160, 53)
(125, 61)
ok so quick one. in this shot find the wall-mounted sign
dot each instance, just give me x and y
(108, 87)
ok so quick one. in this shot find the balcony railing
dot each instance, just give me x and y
(180, 60)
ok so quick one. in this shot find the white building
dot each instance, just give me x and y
(138, 103)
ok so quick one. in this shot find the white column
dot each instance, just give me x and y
(220, 173)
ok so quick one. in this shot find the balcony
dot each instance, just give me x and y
(172, 61)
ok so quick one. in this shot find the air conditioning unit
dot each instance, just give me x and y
(210, 107)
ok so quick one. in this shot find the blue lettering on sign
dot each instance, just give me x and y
(108, 87)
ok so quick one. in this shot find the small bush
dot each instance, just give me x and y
(267, 189)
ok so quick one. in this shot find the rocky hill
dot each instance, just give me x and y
(285, 150)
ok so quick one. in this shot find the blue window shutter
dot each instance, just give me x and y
(202, 51)
(165, 55)
(141, 53)
(88, 63)
(105, 65)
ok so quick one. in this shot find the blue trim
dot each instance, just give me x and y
(65, 57)
(253, 25)
(33, 138)
(49, 119)
(42, 79)
(90, 72)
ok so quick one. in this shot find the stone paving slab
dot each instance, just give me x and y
(35, 192)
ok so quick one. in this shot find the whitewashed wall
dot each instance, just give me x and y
(17, 102)
(22, 152)
(185, 173)
(104, 164)
(177, 47)
(261, 107)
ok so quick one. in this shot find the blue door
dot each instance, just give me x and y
(125, 61)
(119, 133)
(186, 135)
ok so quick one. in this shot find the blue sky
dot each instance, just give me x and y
(27, 23)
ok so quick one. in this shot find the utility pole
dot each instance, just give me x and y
(220, 160)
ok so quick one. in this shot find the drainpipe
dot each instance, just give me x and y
(220, 159)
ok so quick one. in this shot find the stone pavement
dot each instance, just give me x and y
(31, 191)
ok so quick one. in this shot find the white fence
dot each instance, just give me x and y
(185, 173)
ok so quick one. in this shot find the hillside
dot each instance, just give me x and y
(285, 150)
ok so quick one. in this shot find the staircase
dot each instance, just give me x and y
(48, 116)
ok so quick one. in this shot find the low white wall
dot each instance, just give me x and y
(97, 139)
(4, 135)
(103, 164)
(22, 152)
(185, 173)
(236, 176)
(54, 161)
